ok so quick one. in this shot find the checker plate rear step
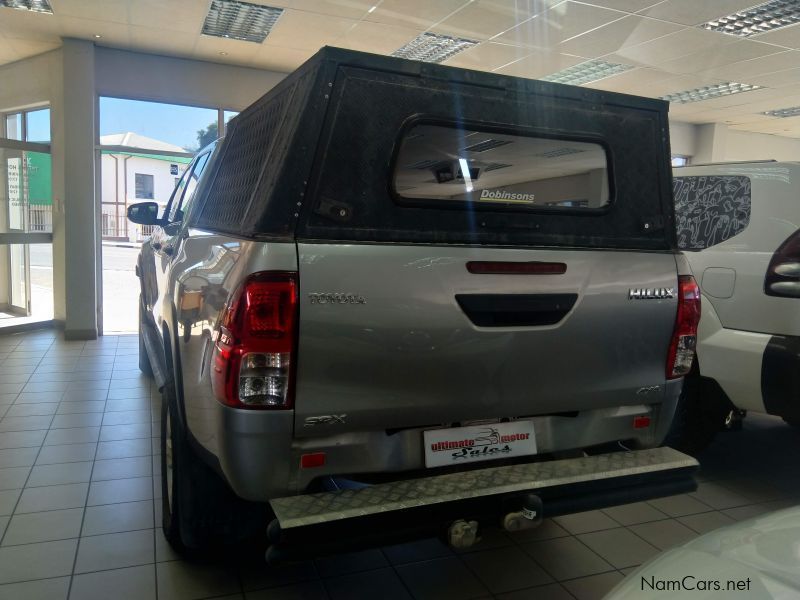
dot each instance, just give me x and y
(413, 507)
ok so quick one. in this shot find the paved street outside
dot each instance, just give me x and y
(120, 286)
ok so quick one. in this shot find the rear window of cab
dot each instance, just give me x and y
(459, 167)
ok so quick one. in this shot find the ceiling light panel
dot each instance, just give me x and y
(432, 47)
(783, 113)
(240, 20)
(710, 91)
(42, 6)
(759, 19)
(591, 70)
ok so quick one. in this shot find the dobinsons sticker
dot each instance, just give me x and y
(507, 196)
(475, 443)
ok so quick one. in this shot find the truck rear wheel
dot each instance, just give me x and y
(200, 512)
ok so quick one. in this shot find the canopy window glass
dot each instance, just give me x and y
(446, 163)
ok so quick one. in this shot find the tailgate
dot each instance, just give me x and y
(396, 336)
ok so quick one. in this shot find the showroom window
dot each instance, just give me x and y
(144, 186)
(710, 209)
(449, 164)
(26, 201)
(28, 126)
(679, 161)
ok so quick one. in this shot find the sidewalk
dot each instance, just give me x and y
(122, 244)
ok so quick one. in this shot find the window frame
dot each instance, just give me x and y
(485, 127)
(190, 170)
(136, 186)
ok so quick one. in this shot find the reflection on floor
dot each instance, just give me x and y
(80, 503)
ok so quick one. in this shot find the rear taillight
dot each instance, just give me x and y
(255, 347)
(684, 337)
(783, 273)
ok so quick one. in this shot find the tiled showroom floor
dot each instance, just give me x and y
(79, 486)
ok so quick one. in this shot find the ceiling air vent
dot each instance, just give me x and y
(710, 91)
(585, 72)
(423, 164)
(768, 16)
(486, 145)
(560, 152)
(432, 47)
(240, 20)
(495, 166)
(40, 6)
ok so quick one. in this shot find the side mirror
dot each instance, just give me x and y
(144, 213)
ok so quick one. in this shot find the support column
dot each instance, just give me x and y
(710, 143)
(75, 257)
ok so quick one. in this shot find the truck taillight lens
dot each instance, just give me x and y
(684, 337)
(783, 273)
(255, 348)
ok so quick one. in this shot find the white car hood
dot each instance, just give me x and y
(765, 550)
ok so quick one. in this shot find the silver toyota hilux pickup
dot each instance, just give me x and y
(402, 299)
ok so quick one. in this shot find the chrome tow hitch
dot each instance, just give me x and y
(528, 518)
(462, 534)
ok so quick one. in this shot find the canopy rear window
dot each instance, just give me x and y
(441, 164)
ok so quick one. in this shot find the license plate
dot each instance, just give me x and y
(463, 445)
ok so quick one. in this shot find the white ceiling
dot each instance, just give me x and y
(528, 38)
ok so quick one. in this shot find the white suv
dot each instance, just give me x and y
(738, 224)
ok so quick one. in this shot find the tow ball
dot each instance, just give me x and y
(462, 534)
(529, 517)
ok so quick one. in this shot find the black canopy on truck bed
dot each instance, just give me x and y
(314, 158)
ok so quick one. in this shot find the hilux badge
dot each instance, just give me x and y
(650, 293)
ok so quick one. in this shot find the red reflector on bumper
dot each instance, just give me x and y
(641, 422)
(309, 461)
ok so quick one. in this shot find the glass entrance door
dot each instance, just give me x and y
(18, 261)
(26, 202)
(19, 273)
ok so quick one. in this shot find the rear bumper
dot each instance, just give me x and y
(780, 376)
(733, 358)
(409, 509)
(260, 458)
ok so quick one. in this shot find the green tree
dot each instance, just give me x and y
(207, 135)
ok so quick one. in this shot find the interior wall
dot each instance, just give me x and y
(716, 142)
(28, 82)
(179, 81)
(682, 138)
(745, 145)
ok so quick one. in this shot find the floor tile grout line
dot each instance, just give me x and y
(580, 541)
(81, 573)
(19, 498)
(83, 516)
(158, 526)
(394, 570)
(74, 537)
